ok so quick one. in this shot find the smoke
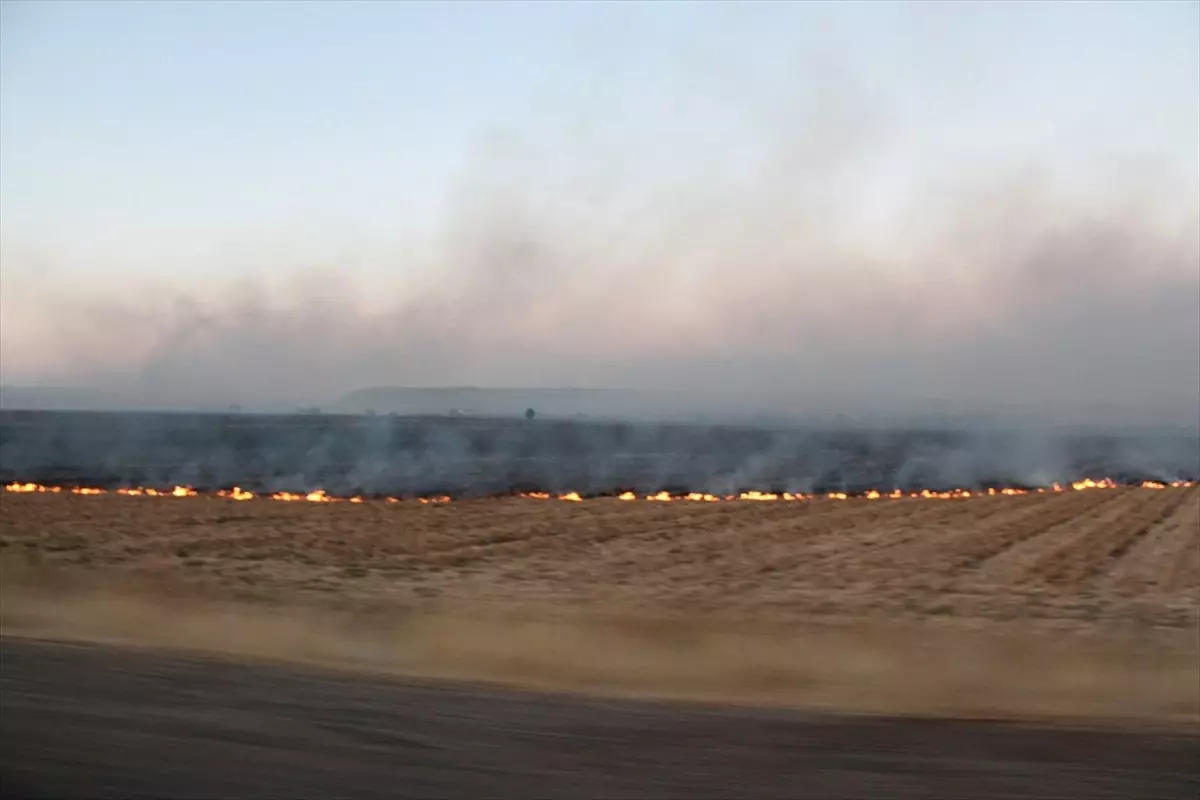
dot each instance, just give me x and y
(404, 456)
(1022, 300)
(760, 280)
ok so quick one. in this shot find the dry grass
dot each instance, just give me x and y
(1117, 558)
(912, 605)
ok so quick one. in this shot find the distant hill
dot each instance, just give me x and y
(477, 401)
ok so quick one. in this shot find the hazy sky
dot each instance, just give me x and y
(875, 204)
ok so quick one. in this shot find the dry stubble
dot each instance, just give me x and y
(908, 605)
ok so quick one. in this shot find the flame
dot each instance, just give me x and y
(29, 488)
(570, 497)
(1088, 483)
(321, 496)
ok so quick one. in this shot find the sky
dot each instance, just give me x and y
(777, 206)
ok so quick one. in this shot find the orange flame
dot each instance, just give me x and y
(1088, 483)
(321, 496)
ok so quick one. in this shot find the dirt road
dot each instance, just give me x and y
(85, 720)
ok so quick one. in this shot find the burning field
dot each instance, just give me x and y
(855, 576)
(1073, 601)
(1077, 601)
(1084, 555)
(400, 457)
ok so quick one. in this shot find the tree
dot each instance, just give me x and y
(530, 413)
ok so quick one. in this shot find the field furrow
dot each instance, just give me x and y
(1152, 559)
(1102, 557)
(980, 555)
(680, 530)
(736, 556)
(1082, 549)
(1184, 564)
(1077, 558)
(934, 543)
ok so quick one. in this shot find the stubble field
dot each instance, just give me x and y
(1073, 603)
(1076, 558)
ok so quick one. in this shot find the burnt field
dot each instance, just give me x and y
(401, 456)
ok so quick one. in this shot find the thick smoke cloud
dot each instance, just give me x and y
(782, 258)
(752, 281)
(413, 456)
(1035, 306)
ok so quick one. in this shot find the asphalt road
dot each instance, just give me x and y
(92, 721)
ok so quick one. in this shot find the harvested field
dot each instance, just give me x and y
(1110, 557)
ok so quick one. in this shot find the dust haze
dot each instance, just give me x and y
(727, 281)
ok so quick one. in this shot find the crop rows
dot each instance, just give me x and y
(1121, 555)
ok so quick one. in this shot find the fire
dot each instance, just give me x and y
(570, 497)
(29, 488)
(1088, 483)
(321, 496)
(1171, 485)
